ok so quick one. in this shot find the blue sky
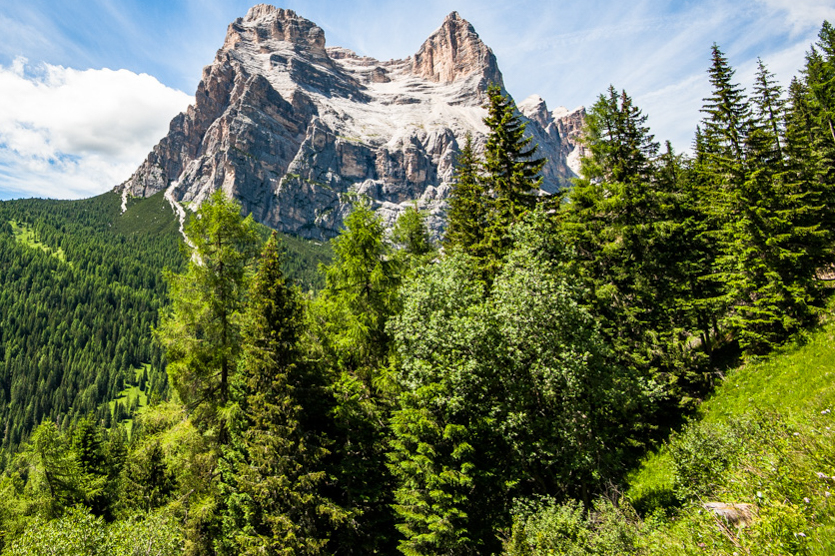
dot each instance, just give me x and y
(87, 87)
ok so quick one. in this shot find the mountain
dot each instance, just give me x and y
(292, 128)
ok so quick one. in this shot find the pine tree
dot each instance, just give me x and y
(726, 123)
(272, 471)
(814, 104)
(619, 142)
(348, 333)
(629, 224)
(411, 236)
(803, 163)
(770, 116)
(511, 175)
(467, 214)
(199, 330)
(757, 214)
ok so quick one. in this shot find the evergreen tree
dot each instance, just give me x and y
(148, 483)
(620, 145)
(467, 216)
(199, 330)
(759, 228)
(630, 227)
(273, 471)
(511, 175)
(770, 116)
(813, 103)
(347, 333)
(411, 237)
(726, 124)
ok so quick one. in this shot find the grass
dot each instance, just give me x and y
(128, 394)
(795, 381)
(25, 235)
(766, 437)
(798, 379)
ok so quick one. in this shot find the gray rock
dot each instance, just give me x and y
(295, 130)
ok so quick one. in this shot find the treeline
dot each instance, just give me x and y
(453, 399)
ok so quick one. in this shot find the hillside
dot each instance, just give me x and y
(764, 438)
(81, 286)
(751, 473)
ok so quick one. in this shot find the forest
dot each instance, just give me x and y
(490, 394)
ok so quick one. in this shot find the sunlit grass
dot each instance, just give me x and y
(25, 235)
(128, 394)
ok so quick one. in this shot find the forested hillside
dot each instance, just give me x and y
(491, 394)
(81, 286)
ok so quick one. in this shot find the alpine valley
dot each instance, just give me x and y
(350, 306)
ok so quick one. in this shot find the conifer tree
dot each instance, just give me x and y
(199, 330)
(272, 470)
(347, 332)
(410, 233)
(511, 174)
(770, 115)
(815, 100)
(726, 123)
(758, 226)
(629, 227)
(467, 215)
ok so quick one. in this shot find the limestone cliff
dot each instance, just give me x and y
(294, 129)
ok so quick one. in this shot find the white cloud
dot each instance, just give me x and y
(68, 133)
(802, 14)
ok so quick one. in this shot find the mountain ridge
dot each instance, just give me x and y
(294, 129)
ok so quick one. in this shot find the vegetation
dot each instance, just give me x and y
(493, 397)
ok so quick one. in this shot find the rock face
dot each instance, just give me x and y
(294, 130)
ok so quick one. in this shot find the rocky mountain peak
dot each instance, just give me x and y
(264, 25)
(534, 108)
(454, 51)
(294, 131)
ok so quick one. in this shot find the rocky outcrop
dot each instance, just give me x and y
(453, 52)
(295, 130)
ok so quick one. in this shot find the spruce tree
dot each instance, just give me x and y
(467, 213)
(511, 175)
(759, 228)
(347, 332)
(816, 101)
(629, 225)
(272, 470)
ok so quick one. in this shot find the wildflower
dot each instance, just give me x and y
(797, 434)
(821, 475)
(827, 494)
(805, 499)
(800, 534)
(825, 412)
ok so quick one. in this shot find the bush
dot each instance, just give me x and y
(547, 527)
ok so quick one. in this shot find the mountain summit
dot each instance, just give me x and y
(292, 128)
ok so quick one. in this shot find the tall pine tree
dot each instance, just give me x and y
(272, 470)
(200, 330)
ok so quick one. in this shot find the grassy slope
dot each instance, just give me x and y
(796, 381)
(793, 393)
(25, 235)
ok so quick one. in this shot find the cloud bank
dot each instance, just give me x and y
(66, 133)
